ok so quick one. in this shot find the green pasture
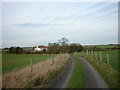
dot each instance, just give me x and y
(113, 57)
(106, 46)
(99, 46)
(13, 61)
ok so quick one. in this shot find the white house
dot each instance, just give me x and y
(40, 48)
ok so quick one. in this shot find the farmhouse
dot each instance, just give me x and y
(40, 48)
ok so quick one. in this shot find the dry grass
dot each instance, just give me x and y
(42, 73)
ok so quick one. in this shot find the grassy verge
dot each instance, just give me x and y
(113, 58)
(78, 77)
(40, 77)
(106, 71)
(14, 61)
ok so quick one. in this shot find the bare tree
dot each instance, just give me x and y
(63, 41)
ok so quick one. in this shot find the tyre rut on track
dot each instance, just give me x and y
(61, 81)
(93, 79)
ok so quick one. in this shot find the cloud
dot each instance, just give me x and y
(79, 22)
(97, 10)
(36, 25)
(98, 5)
(68, 17)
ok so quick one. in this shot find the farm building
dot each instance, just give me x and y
(40, 48)
(27, 49)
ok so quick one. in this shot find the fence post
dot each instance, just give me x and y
(76, 52)
(52, 59)
(31, 67)
(108, 58)
(100, 56)
(95, 55)
(87, 52)
(92, 53)
(60, 55)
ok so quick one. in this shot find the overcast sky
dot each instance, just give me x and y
(31, 24)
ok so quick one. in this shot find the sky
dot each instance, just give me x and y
(40, 23)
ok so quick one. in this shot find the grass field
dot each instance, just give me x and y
(100, 46)
(78, 77)
(106, 46)
(13, 61)
(113, 57)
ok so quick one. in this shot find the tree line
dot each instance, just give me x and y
(16, 50)
(62, 46)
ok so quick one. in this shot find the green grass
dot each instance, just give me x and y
(100, 46)
(106, 46)
(109, 74)
(113, 57)
(0, 63)
(13, 61)
(78, 77)
(5, 50)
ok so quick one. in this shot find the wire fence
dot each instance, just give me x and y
(109, 57)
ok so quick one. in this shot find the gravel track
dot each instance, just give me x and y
(61, 81)
(93, 79)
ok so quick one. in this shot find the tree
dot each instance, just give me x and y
(63, 41)
(16, 50)
(75, 47)
(65, 48)
(53, 44)
(12, 50)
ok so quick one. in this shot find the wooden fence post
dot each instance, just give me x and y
(108, 59)
(31, 67)
(52, 59)
(92, 53)
(87, 52)
(100, 56)
(76, 52)
(60, 55)
(95, 55)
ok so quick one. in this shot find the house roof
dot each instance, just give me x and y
(42, 46)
